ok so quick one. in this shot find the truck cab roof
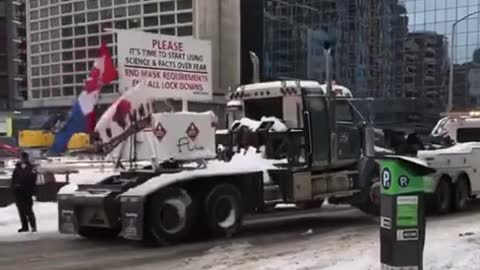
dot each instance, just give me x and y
(283, 88)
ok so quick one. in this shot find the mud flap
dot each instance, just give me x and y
(132, 209)
(67, 220)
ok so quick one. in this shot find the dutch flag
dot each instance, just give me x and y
(82, 115)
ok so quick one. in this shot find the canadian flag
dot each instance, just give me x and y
(82, 116)
(103, 72)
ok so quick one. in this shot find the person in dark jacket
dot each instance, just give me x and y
(23, 185)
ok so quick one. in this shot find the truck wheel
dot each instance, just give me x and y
(461, 194)
(443, 196)
(97, 233)
(372, 206)
(223, 209)
(171, 215)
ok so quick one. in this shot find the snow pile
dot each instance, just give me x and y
(84, 177)
(47, 222)
(248, 161)
(253, 125)
(459, 148)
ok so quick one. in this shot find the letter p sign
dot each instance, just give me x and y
(386, 178)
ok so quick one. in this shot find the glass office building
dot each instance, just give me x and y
(382, 47)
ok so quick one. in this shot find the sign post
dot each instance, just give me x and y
(402, 220)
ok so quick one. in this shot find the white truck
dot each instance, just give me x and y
(455, 154)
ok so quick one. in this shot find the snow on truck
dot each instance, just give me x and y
(322, 152)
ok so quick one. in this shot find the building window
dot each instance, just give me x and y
(54, 10)
(35, 60)
(45, 59)
(45, 81)
(80, 78)
(55, 45)
(46, 92)
(66, 56)
(36, 82)
(108, 89)
(44, 12)
(35, 37)
(67, 79)
(54, 1)
(56, 70)
(107, 38)
(184, 4)
(134, 10)
(184, 31)
(133, 23)
(45, 71)
(35, 48)
(67, 44)
(106, 14)
(150, 21)
(44, 24)
(92, 16)
(184, 17)
(35, 94)
(55, 57)
(93, 41)
(66, 8)
(80, 67)
(43, 3)
(34, 15)
(34, 26)
(44, 35)
(54, 22)
(121, 24)
(55, 33)
(67, 20)
(92, 4)
(120, 12)
(80, 54)
(45, 47)
(120, 2)
(68, 91)
(167, 19)
(80, 42)
(79, 18)
(133, 1)
(67, 32)
(35, 71)
(67, 68)
(167, 6)
(56, 92)
(80, 30)
(79, 6)
(168, 31)
(92, 53)
(105, 3)
(33, 3)
(93, 28)
(150, 8)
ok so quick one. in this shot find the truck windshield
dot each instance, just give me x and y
(256, 108)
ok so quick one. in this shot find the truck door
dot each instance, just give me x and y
(316, 128)
(349, 137)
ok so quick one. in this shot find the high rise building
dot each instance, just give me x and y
(64, 37)
(12, 54)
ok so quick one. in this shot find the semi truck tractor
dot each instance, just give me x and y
(186, 191)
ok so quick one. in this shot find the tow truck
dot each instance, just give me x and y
(321, 153)
(454, 151)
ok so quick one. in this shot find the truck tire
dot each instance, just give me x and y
(97, 233)
(461, 194)
(372, 207)
(443, 196)
(171, 216)
(223, 210)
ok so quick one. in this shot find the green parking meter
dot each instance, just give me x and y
(402, 214)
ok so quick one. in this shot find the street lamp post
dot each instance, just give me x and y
(452, 55)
